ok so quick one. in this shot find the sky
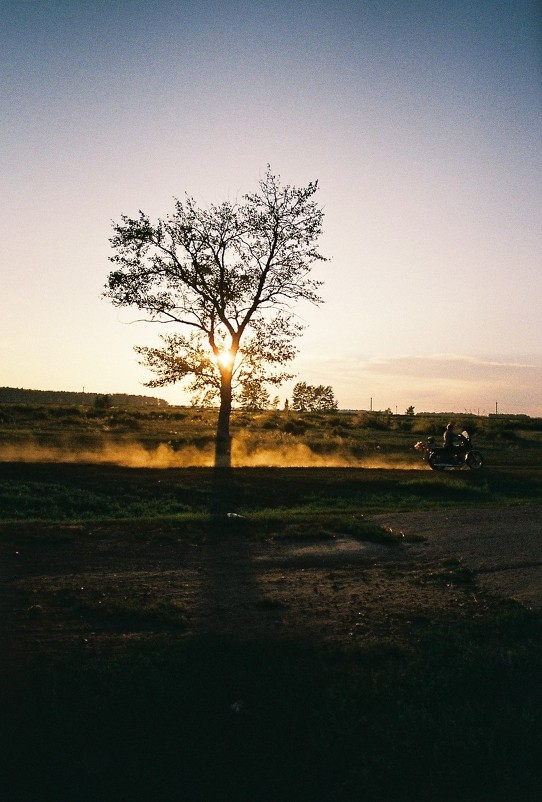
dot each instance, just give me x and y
(420, 119)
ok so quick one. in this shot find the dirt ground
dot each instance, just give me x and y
(501, 546)
(97, 593)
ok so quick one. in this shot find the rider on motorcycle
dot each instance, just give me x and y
(448, 437)
(456, 451)
(452, 441)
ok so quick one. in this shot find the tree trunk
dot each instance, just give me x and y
(223, 440)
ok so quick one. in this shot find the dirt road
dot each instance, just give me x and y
(98, 592)
(503, 546)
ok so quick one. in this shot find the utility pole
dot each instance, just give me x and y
(371, 407)
(496, 408)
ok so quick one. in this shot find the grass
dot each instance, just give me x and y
(61, 493)
(311, 525)
(454, 718)
(115, 431)
(266, 524)
(451, 573)
(109, 606)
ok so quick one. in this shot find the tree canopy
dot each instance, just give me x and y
(312, 398)
(228, 274)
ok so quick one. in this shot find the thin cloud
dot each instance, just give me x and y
(431, 382)
(446, 366)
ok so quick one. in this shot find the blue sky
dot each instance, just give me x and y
(421, 121)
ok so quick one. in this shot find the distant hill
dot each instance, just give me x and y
(15, 395)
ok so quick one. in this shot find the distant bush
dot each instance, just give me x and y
(375, 420)
(271, 423)
(295, 426)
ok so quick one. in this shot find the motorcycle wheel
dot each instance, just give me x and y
(475, 460)
(434, 463)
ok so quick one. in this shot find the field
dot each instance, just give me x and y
(330, 620)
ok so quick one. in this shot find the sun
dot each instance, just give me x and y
(225, 358)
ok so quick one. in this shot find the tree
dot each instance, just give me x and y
(254, 396)
(311, 398)
(230, 275)
(300, 397)
(102, 402)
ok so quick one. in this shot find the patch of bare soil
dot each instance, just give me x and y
(98, 591)
(501, 546)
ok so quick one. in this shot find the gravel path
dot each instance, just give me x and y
(502, 546)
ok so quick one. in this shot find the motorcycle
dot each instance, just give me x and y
(462, 453)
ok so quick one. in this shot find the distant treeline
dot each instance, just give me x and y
(15, 395)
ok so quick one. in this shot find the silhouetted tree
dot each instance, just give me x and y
(254, 396)
(230, 274)
(102, 402)
(311, 398)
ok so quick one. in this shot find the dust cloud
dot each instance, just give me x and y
(245, 453)
(299, 455)
(253, 454)
(127, 455)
